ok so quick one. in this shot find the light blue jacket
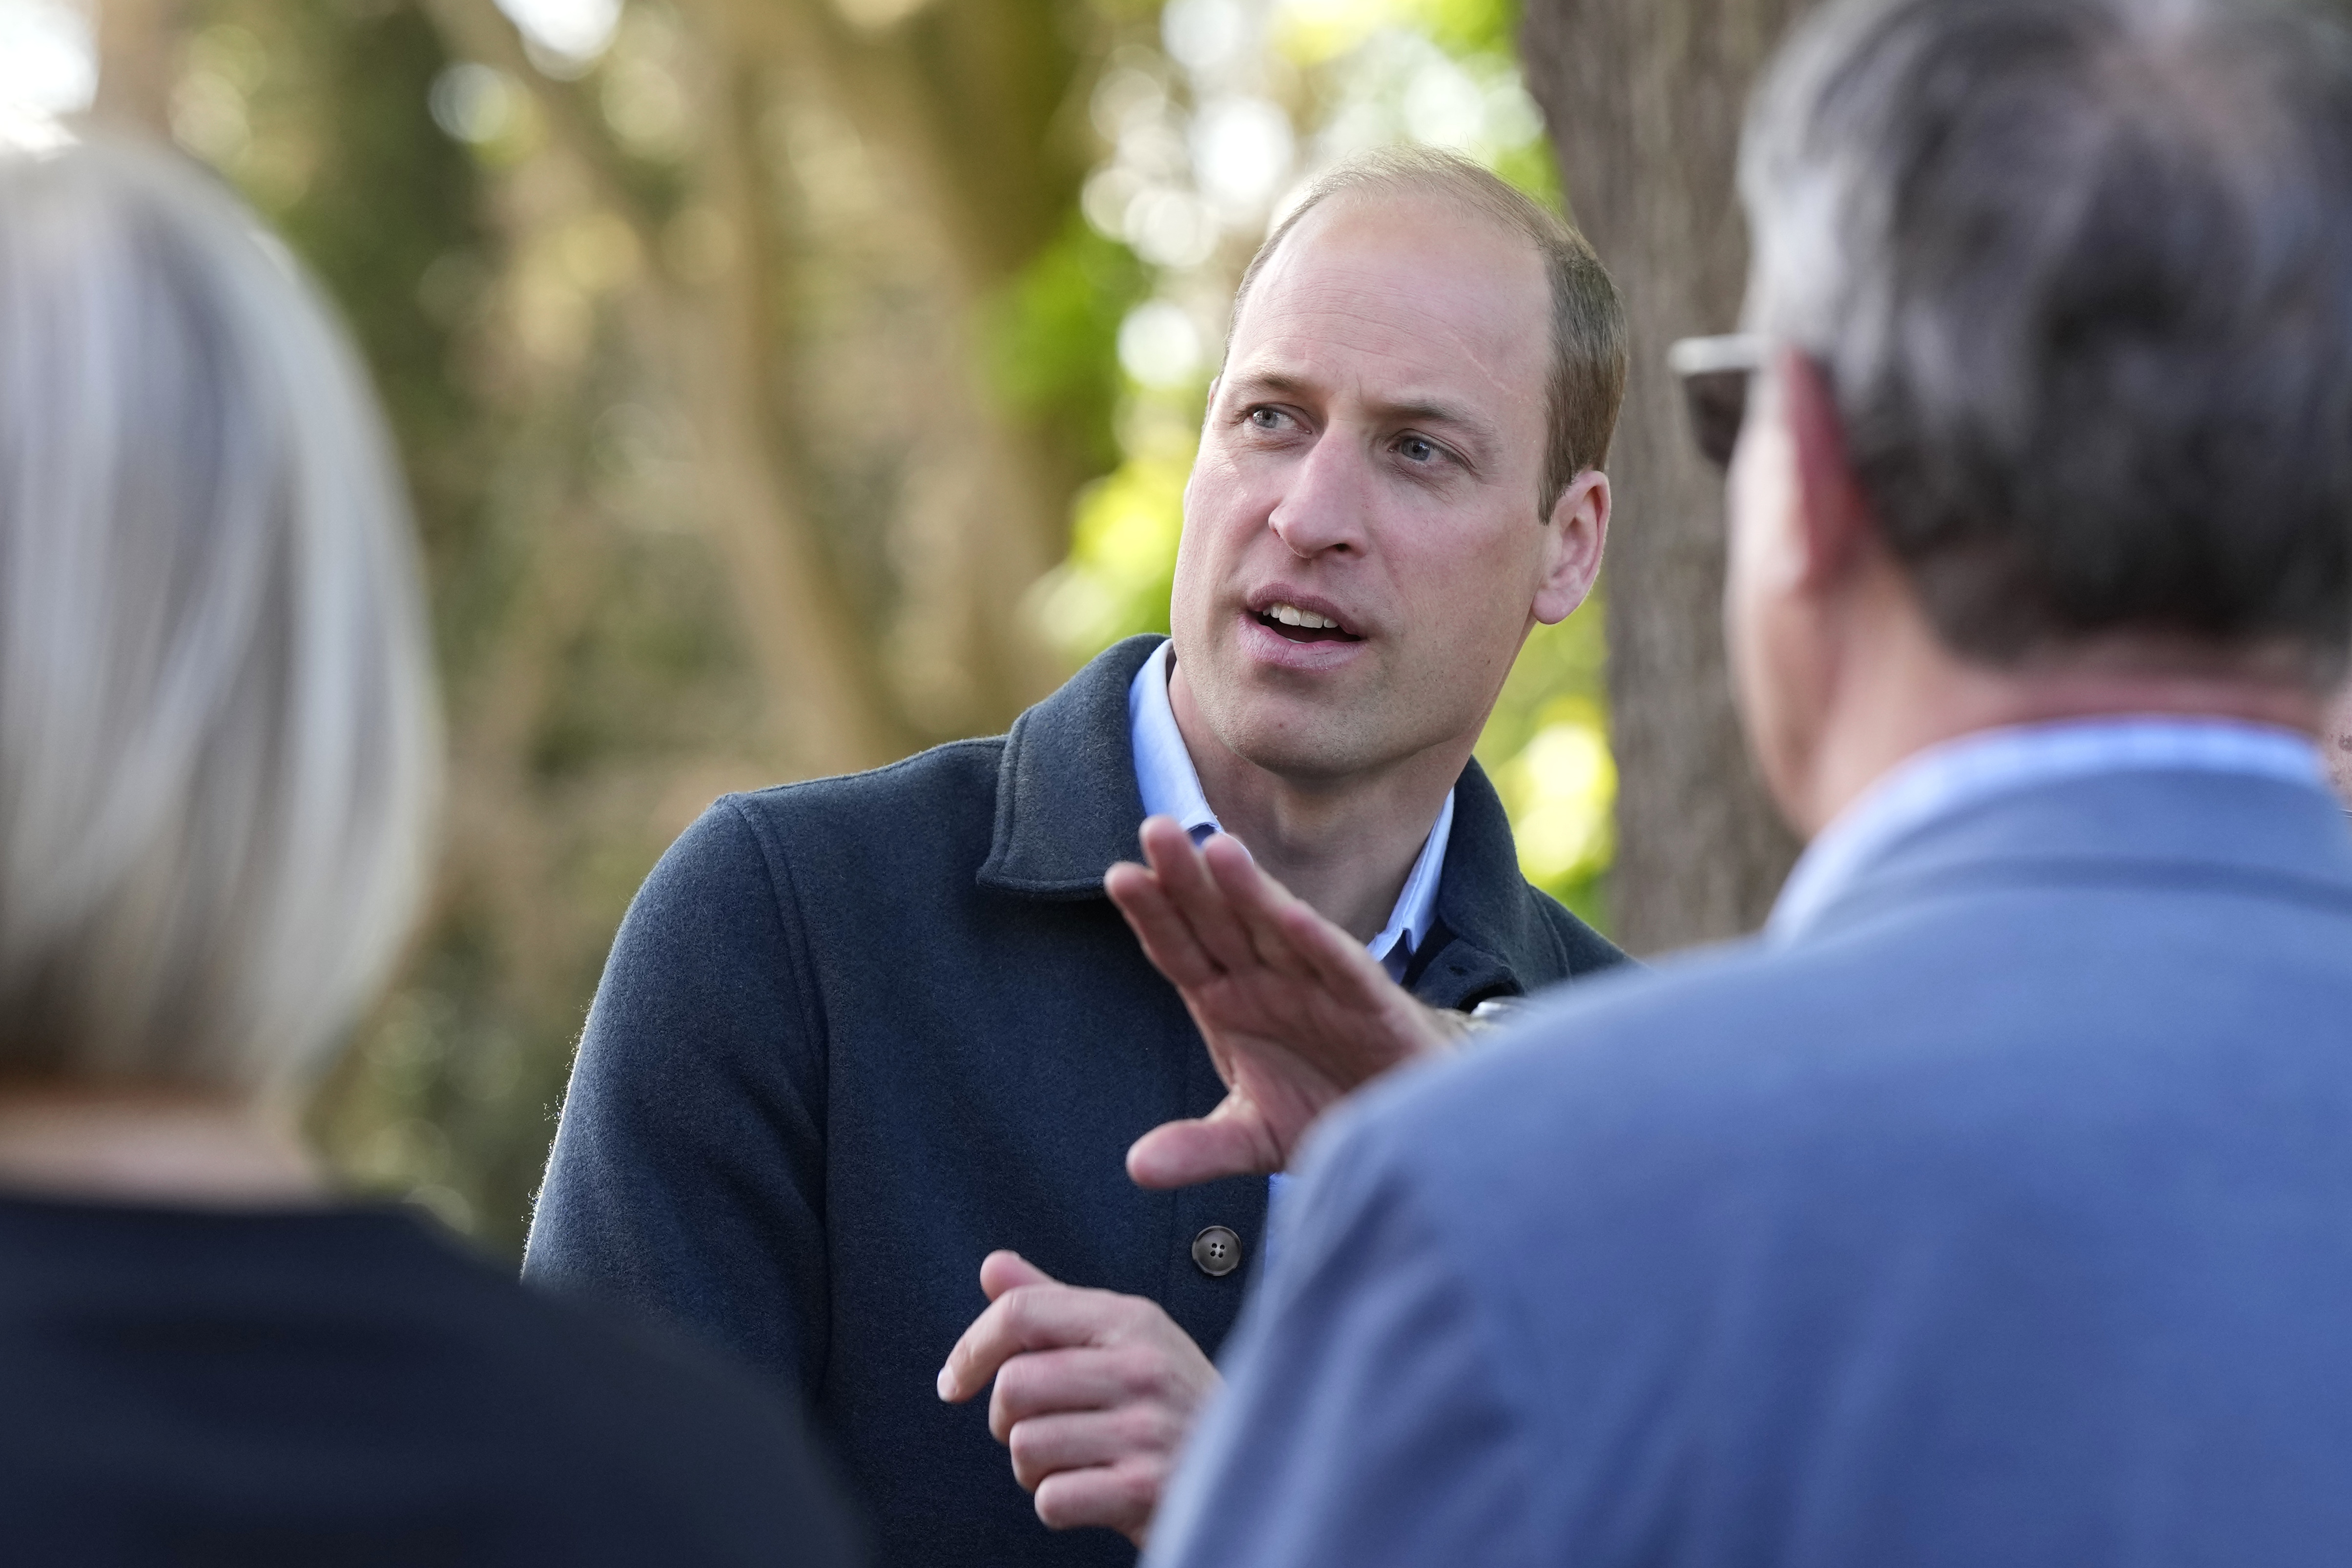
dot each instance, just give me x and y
(2002, 1217)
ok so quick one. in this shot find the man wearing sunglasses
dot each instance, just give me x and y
(1992, 1206)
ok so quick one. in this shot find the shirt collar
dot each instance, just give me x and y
(1947, 778)
(1171, 787)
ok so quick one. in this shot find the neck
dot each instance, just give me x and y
(148, 1144)
(1345, 845)
(1912, 694)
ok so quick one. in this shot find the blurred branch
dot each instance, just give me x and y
(958, 102)
(479, 30)
(797, 610)
(829, 706)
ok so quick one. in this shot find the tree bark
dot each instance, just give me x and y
(1644, 99)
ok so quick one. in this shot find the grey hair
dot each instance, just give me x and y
(219, 746)
(1585, 383)
(2079, 273)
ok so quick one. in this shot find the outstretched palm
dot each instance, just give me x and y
(1295, 1011)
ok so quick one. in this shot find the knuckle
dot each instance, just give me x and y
(1146, 1373)
(1131, 1494)
(1079, 1499)
(1031, 1475)
(1028, 1446)
(1149, 1430)
(1015, 1379)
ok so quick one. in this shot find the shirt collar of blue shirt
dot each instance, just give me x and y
(1946, 778)
(1171, 787)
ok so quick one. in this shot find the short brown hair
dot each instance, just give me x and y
(1587, 381)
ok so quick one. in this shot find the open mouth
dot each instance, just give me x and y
(1303, 626)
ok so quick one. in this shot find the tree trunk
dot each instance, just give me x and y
(1644, 100)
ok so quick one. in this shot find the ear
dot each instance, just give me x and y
(1833, 514)
(1574, 536)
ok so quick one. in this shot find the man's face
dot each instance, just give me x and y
(1362, 554)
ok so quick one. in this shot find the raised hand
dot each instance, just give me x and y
(1295, 1011)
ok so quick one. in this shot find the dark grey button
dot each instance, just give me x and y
(1217, 1251)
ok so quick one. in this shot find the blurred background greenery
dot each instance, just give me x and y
(784, 385)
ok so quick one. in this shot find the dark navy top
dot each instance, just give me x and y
(344, 1386)
(857, 1033)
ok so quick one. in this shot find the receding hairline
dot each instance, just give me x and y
(1377, 195)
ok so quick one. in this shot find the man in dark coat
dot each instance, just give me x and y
(858, 1035)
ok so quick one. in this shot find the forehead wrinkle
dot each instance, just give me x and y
(1387, 309)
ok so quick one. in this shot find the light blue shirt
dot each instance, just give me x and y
(1171, 787)
(1946, 778)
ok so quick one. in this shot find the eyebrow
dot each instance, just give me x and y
(1478, 434)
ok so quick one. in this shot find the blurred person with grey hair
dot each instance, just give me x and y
(218, 757)
(1990, 1206)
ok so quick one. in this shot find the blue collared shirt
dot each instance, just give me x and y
(1171, 787)
(1958, 773)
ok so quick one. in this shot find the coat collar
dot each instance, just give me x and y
(2153, 828)
(1068, 808)
(1487, 929)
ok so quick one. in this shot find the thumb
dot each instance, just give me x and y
(1001, 1272)
(1182, 1153)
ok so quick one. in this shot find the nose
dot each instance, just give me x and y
(1323, 507)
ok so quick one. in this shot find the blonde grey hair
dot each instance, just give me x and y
(2079, 273)
(219, 748)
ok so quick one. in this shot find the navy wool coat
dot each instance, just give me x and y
(857, 1033)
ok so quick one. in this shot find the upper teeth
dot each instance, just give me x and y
(1291, 616)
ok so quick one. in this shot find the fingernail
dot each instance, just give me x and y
(946, 1384)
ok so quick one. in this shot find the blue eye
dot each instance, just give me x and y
(1265, 418)
(1419, 450)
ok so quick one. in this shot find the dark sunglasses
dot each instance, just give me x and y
(1715, 374)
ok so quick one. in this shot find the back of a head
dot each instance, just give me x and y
(218, 743)
(2079, 273)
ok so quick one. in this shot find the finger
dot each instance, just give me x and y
(1055, 1382)
(1045, 1445)
(1168, 940)
(1342, 965)
(1258, 902)
(1185, 1154)
(1027, 1317)
(1116, 1497)
(1185, 877)
(1003, 1270)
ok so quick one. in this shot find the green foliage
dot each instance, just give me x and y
(1122, 560)
(1053, 336)
(340, 154)
(1467, 26)
(1547, 748)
